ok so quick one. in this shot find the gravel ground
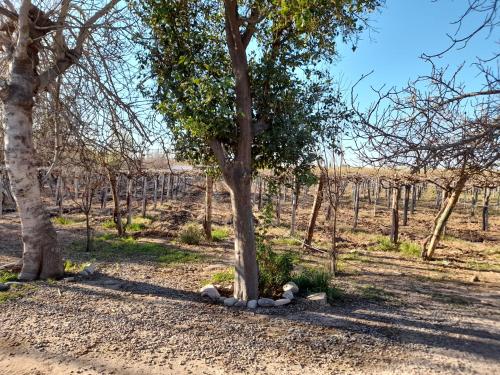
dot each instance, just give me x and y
(140, 318)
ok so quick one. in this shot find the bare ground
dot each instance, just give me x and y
(399, 315)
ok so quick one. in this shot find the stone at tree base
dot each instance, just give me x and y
(282, 302)
(210, 291)
(318, 297)
(252, 304)
(288, 294)
(291, 286)
(240, 303)
(83, 273)
(69, 279)
(230, 301)
(265, 302)
(4, 287)
(475, 279)
(90, 269)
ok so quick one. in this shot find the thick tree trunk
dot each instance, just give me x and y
(486, 204)
(315, 211)
(41, 254)
(406, 204)
(207, 220)
(441, 219)
(246, 270)
(396, 193)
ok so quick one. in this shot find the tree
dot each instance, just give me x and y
(221, 67)
(36, 50)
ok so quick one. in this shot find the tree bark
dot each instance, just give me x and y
(406, 204)
(130, 183)
(486, 204)
(144, 195)
(278, 207)
(162, 188)
(441, 219)
(117, 215)
(396, 193)
(315, 210)
(295, 205)
(356, 205)
(377, 196)
(207, 221)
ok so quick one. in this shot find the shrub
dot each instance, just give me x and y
(274, 269)
(190, 234)
(384, 244)
(109, 224)
(222, 277)
(220, 234)
(314, 280)
(71, 267)
(138, 224)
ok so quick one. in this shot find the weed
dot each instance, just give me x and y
(220, 234)
(410, 249)
(287, 241)
(16, 291)
(7, 276)
(317, 280)
(384, 244)
(190, 234)
(70, 267)
(222, 277)
(61, 220)
(274, 269)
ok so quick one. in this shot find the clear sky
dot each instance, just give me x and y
(404, 29)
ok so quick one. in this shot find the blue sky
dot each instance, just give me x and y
(404, 29)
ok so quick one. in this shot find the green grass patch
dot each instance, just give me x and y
(73, 267)
(222, 277)
(16, 291)
(317, 280)
(220, 234)
(138, 224)
(110, 247)
(383, 244)
(410, 249)
(190, 234)
(7, 276)
(109, 224)
(62, 220)
(354, 256)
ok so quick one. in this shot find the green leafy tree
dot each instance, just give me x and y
(226, 74)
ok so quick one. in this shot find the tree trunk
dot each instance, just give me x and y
(117, 215)
(130, 183)
(441, 219)
(1, 193)
(356, 205)
(406, 204)
(246, 270)
(207, 221)
(333, 251)
(295, 205)
(259, 204)
(144, 195)
(155, 192)
(278, 207)
(315, 210)
(162, 188)
(396, 193)
(41, 254)
(376, 198)
(486, 204)
(413, 198)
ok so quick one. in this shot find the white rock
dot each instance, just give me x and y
(318, 297)
(252, 304)
(90, 269)
(288, 294)
(210, 291)
(240, 303)
(291, 286)
(69, 279)
(282, 302)
(230, 301)
(265, 302)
